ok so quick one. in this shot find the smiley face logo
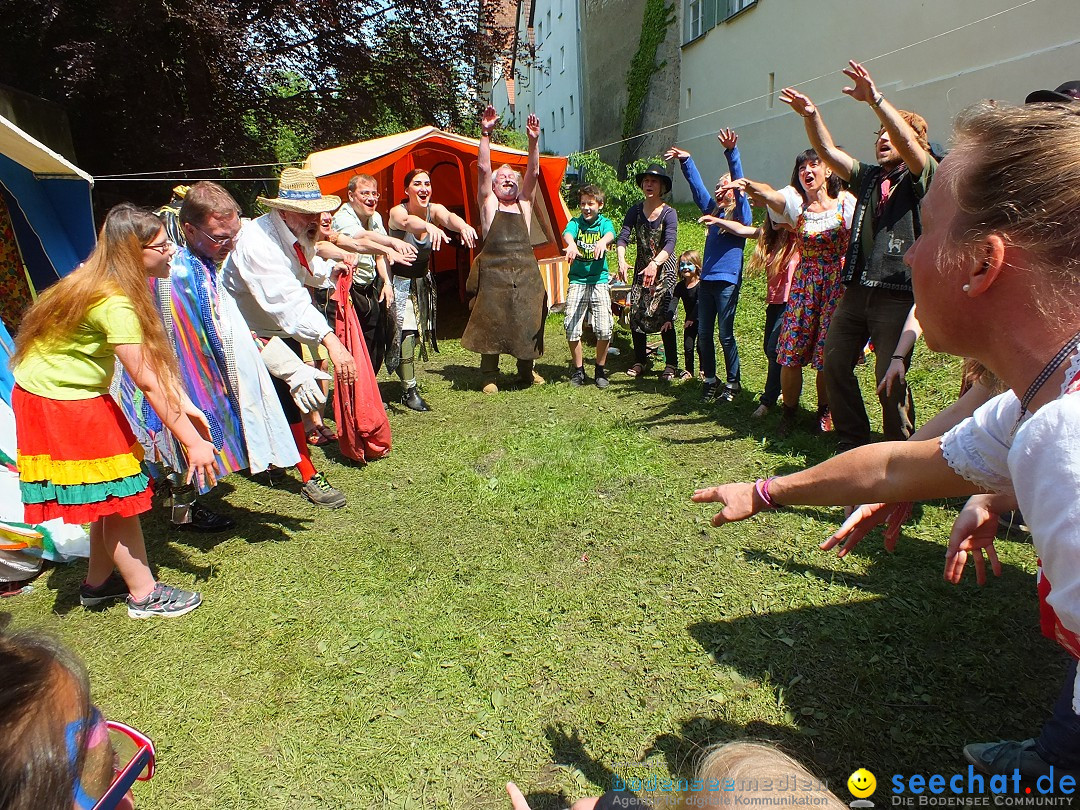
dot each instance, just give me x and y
(861, 783)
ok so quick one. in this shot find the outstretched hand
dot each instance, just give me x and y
(675, 153)
(864, 89)
(738, 501)
(799, 102)
(532, 127)
(488, 120)
(727, 138)
(896, 374)
(863, 519)
(973, 533)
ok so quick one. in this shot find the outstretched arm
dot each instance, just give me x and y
(483, 156)
(837, 159)
(902, 136)
(532, 170)
(760, 193)
(451, 221)
(702, 197)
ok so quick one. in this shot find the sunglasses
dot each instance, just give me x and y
(133, 758)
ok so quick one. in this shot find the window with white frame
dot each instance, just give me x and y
(733, 7)
(699, 17)
(547, 74)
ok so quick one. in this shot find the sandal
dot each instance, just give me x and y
(668, 375)
(635, 370)
(317, 437)
(685, 375)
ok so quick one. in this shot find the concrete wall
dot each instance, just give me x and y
(725, 75)
(611, 30)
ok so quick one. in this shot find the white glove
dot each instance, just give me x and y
(302, 379)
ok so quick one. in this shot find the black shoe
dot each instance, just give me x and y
(412, 399)
(601, 377)
(788, 421)
(729, 392)
(577, 376)
(708, 390)
(205, 521)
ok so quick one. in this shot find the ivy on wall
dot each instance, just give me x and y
(659, 15)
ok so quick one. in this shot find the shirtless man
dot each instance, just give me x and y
(510, 302)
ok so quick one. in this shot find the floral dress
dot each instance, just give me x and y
(822, 241)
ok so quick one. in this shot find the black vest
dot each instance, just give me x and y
(894, 231)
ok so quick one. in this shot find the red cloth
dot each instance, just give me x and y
(363, 429)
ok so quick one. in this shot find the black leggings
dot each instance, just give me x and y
(671, 347)
(689, 342)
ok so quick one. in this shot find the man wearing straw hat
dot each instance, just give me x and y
(265, 273)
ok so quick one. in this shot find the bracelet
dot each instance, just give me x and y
(876, 100)
(899, 357)
(761, 487)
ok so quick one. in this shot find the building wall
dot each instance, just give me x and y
(551, 85)
(611, 32)
(731, 75)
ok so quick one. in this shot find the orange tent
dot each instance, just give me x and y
(450, 160)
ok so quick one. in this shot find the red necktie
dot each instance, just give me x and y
(300, 255)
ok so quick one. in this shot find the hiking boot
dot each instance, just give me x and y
(411, 399)
(1006, 756)
(205, 521)
(577, 376)
(164, 601)
(111, 589)
(601, 377)
(729, 392)
(318, 491)
(708, 390)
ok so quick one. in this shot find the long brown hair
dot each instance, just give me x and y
(774, 249)
(115, 267)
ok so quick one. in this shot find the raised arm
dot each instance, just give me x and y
(836, 159)
(532, 170)
(483, 156)
(760, 193)
(902, 136)
(728, 139)
(702, 198)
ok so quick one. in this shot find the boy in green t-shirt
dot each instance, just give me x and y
(587, 239)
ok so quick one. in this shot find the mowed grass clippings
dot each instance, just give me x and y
(523, 590)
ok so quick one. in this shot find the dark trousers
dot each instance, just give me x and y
(671, 347)
(717, 301)
(774, 316)
(1059, 741)
(866, 312)
(373, 322)
(689, 342)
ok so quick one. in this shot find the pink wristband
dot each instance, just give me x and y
(761, 487)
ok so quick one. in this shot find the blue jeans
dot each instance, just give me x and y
(1059, 741)
(774, 316)
(717, 301)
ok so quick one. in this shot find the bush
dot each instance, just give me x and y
(620, 194)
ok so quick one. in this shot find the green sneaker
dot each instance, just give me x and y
(319, 492)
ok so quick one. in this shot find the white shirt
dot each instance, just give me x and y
(266, 279)
(1040, 463)
(349, 223)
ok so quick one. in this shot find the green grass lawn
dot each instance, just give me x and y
(524, 590)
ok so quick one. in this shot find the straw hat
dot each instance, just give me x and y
(299, 191)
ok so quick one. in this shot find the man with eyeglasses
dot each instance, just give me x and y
(219, 362)
(877, 295)
(371, 291)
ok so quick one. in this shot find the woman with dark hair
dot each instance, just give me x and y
(821, 217)
(996, 277)
(653, 225)
(423, 224)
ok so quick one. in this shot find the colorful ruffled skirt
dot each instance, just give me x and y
(78, 459)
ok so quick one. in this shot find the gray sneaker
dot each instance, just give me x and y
(577, 376)
(318, 491)
(165, 601)
(1009, 755)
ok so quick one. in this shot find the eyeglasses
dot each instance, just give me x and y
(374, 195)
(219, 241)
(133, 758)
(161, 247)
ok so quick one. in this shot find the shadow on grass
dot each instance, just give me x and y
(860, 690)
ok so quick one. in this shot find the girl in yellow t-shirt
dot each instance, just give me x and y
(78, 459)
